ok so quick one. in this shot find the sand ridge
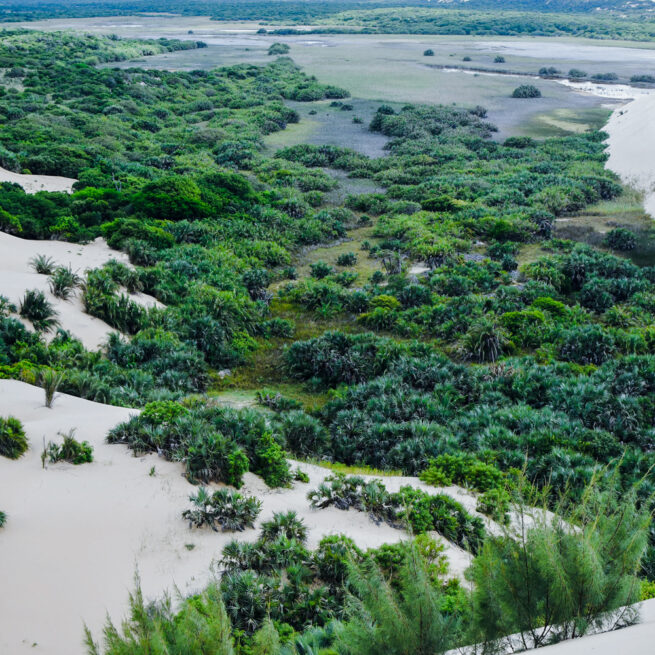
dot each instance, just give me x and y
(76, 534)
(631, 147)
(17, 276)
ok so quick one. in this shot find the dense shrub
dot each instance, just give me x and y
(13, 442)
(224, 508)
(409, 507)
(526, 91)
(621, 239)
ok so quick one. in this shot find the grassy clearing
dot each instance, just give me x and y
(530, 252)
(293, 135)
(353, 470)
(329, 254)
(591, 225)
(561, 122)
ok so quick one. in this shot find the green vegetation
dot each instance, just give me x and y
(278, 49)
(50, 379)
(423, 20)
(526, 91)
(13, 442)
(37, 309)
(504, 356)
(277, 592)
(216, 444)
(555, 581)
(70, 450)
(408, 507)
(225, 508)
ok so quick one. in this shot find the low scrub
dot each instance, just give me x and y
(224, 508)
(70, 450)
(215, 444)
(408, 508)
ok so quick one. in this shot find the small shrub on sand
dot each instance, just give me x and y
(71, 450)
(36, 308)
(43, 264)
(50, 379)
(63, 281)
(13, 442)
(225, 508)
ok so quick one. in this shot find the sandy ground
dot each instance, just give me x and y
(34, 183)
(631, 147)
(75, 535)
(634, 640)
(17, 276)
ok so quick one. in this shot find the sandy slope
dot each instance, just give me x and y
(635, 640)
(631, 147)
(34, 183)
(17, 276)
(75, 534)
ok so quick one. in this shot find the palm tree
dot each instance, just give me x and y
(485, 341)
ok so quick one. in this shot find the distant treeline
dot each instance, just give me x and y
(415, 20)
(297, 11)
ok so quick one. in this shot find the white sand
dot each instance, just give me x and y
(17, 276)
(638, 639)
(75, 534)
(631, 147)
(34, 183)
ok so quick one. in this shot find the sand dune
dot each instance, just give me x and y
(631, 147)
(17, 276)
(34, 183)
(76, 534)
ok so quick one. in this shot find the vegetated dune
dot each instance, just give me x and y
(17, 276)
(631, 145)
(75, 535)
(34, 183)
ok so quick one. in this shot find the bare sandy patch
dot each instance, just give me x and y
(631, 147)
(36, 183)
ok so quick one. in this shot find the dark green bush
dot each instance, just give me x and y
(526, 91)
(13, 442)
(223, 508)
